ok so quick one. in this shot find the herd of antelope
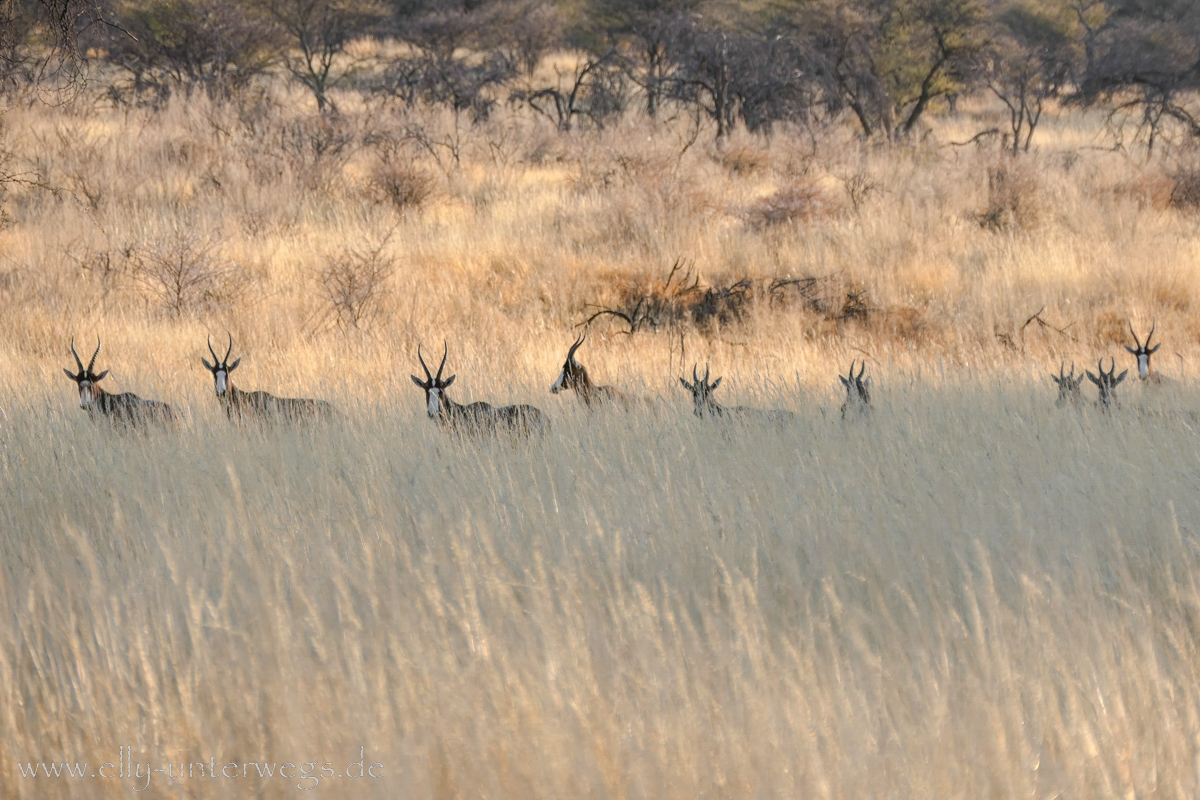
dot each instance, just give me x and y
(480, 417)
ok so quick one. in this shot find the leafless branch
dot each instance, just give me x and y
(977, 137)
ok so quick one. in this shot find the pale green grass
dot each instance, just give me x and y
(971, 594)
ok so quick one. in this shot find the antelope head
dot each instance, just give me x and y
(858, 390)
(1143, 351)
(220, 368)
(1069, 385)
(86, 379)
(573, 373)
(702, 391)
(1106, 383)
(433, 385)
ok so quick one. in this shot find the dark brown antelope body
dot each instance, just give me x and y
(574, 377)
(858, 391)
(267, 406)
(706, 406)
(126, 408)
(478, 417)
(240, 405)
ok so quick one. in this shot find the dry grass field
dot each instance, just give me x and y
(967, 593)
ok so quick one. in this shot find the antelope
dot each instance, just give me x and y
(242, 405)
(1106, 383)
(1069, 386)
(707, 407)
(476, 417)
(127, 407)
(1142, 353)
(574, 377)
(858, 391)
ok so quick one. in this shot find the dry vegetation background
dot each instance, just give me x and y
(971, 594)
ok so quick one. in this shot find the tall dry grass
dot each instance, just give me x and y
(971, 593)
(951, 248)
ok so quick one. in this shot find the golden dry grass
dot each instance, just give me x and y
(970, 594)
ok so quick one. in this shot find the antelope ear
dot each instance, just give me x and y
(715, 384)
(686, 385)
(99, 377)
(1055, 378)
(70, 374)
(233, 366)
(449, 381)
(417, 381)
(1131, 350)
(845, 382)
(1120, 377)
(1154, 349)
(207, 365)
(1093, 378)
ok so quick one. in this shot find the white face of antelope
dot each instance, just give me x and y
(434, 386)
(87, 394)
(220, 368)
(84, 378)
(1142, 351)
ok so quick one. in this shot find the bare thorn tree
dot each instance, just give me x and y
(591, 90)
(39, 42)
(352, 286)
(318, 32)
(185, 271)
(1030, 60)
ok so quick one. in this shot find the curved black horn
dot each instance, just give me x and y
(1151, 333)
(445, 352)
(695, 377)
(574, 347)
(216, 361)
(706, 373)
(1134, 334)
(92, 363)
(225, 360)
(861, 369)
(428, 376)
(77, 361)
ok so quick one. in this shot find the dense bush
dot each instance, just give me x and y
(881, 63)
